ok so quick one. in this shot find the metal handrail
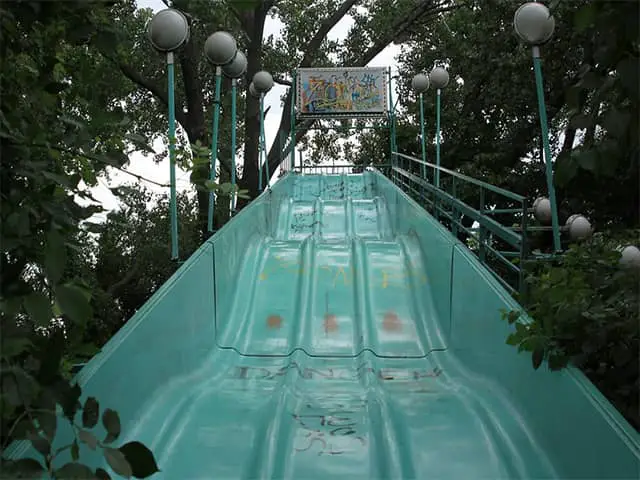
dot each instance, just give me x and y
(480, 183)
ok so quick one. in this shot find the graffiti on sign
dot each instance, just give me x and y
(342, 91)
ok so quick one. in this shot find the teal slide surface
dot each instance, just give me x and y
(334, 329)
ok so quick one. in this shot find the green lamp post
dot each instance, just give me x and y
(234, 71)
(168, 30)
(220, 49)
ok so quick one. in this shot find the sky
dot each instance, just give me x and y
(146, 167)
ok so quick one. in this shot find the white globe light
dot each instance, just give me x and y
(262, 81)
(533, 23)
(220, 48)
(439, 78)
(253, 91)
(630, 257)
(420, 83)
(237, 67)
(542, 210)
(168, 30)
(579, 227)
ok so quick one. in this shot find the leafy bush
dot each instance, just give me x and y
(585, 312)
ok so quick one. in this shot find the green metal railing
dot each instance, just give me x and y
(493, 219)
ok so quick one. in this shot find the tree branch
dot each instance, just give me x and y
(325, 27)
(400, 25)
(159, 92)
(131, 272)
(403, 22)
(282, 81)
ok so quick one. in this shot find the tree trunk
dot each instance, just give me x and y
(249, 178)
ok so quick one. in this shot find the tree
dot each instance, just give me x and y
(131, 258)
(47, 152)
(145, 97)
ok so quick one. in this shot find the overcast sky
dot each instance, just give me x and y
(145, 166)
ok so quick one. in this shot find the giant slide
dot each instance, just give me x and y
(335, 330)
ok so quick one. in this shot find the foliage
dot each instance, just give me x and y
(50, 153)
(585, 312)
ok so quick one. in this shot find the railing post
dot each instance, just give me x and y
(454, 211)
(482, 234)
(524, 251)
(293, 121)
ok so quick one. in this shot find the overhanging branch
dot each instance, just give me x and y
(159, 92)
(314, 44)
(403, 22)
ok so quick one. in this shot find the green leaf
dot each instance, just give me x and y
(588, 160)
(48, 422)
(73, 302)
(591, 81)
(55, 257)
(118, 462)
(536, 358)
(627, 70)
(75, 451)
(38, 307)
(616, 122)
(18, 387)
(566, 169)
(581, 121)
(512, 316)
(23, 468)
(140, 142)
(75, 471)
(14, 346)
(68, 397)
(40, 443)
(102, 474)
(57, 178)
(90, 413)
(513, 339)
(245, 5)
(585, 16)
(111, 422)
(141, 459)
(88, 438)
(556, 362)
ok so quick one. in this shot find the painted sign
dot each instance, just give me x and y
(342, 92)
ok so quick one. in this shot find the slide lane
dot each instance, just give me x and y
(361, 417)
(333, 299)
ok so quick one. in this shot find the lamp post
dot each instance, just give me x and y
(261, 84)
(534, 25)
(420, 84)
(439, 78)
(234, 70)
(168, 30)
(220, 49)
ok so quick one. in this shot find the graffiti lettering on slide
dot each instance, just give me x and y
(383, 374)
(332, 428)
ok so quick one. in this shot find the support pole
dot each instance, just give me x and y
(173, 207)
(233, 143)
(293, 121)
(438, 94)
(260, 144)
(214, 146)
(392, 130)
(263, 141)
(547, 149)
(422, 138)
